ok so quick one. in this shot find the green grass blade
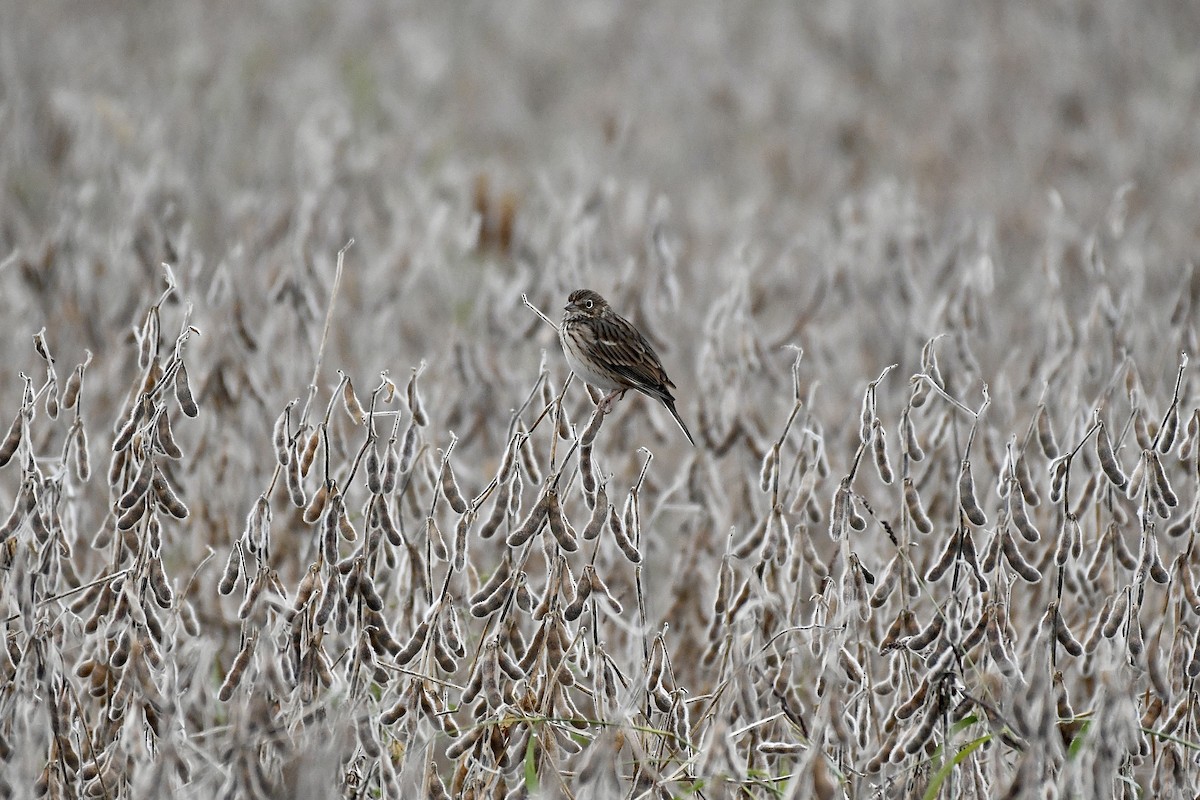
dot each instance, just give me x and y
(939, 777)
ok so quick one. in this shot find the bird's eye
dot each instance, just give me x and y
(588, 303)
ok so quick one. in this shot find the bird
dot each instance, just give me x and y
(605, 350)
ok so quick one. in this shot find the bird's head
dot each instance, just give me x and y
(587, 303)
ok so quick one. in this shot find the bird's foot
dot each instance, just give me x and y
(609, 400)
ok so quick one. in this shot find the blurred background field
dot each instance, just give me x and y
(851, 178)
(777, 141)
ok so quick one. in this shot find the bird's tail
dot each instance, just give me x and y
(670, 404)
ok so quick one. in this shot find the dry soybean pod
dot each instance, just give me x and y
(908, 436)
(882, 463)
(279, 436)
(183, 392)
(450, 489)
(1045, 434)
(558, 525)
(966, 496)
(413, 395)
(13, 439)
(915, 511)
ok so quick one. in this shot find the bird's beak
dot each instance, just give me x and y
(569, 307)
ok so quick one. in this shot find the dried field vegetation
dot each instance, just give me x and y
(282, 518)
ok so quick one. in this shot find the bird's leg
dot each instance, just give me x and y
(609, 400)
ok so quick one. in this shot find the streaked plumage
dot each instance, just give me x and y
(608, 352)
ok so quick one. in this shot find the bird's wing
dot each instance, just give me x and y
(626, 352)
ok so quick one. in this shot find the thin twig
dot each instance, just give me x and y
(538, 311)
(333, 293)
